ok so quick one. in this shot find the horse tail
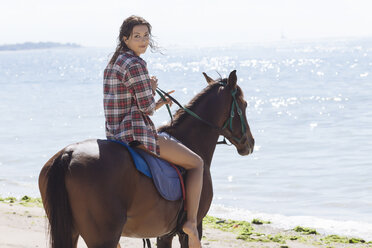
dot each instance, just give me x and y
(57, 204)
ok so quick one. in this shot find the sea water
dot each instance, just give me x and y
(309, 110)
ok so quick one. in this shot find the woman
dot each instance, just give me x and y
(128, 103)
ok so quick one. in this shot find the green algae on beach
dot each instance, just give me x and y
(10, 199)
(342, 239)
(26, 201)
(246, 231)
(243, 229)
(29, 201)
(305, 230)
(260, 222)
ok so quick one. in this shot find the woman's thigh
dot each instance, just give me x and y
(178, 154)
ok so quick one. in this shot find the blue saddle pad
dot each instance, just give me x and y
(164, 175)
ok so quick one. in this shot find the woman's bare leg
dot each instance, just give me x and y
(179, 154)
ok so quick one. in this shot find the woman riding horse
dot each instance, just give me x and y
(93, 189)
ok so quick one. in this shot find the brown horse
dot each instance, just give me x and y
(92, 188)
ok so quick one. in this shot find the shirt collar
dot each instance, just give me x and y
(131, 53)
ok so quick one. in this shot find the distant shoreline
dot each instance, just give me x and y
(37, 45)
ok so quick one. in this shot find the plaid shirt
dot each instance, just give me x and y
(128, 101)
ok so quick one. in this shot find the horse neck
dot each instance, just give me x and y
(198, 136)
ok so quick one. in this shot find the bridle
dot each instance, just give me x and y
(228, 123)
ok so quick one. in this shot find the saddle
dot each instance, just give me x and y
(167, 178)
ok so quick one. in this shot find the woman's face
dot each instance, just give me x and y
(138, 41)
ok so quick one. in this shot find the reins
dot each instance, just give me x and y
(228, 122)
(161, 92)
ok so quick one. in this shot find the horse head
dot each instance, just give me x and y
(234, 122)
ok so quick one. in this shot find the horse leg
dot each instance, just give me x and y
(200, 230)
(100, 229)
(103, 240)
(184, 240)
(164, 242)
(99, 216)
(75, 238)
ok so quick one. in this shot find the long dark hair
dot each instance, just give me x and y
(126, 30)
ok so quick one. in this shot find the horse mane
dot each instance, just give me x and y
(181, 114)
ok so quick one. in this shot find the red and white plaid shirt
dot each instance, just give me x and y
(128, 101)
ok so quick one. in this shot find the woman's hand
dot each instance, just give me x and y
(161, 102)
(154, 83)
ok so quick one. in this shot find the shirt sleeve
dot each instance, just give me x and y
(140, 82)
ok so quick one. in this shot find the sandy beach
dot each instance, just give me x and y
(23, 224)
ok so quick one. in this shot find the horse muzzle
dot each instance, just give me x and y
(246, 146)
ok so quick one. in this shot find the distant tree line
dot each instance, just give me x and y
(36, 45)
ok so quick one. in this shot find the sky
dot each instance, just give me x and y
(184, 23)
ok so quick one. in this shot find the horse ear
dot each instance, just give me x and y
(209, 80)
(231, 82)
